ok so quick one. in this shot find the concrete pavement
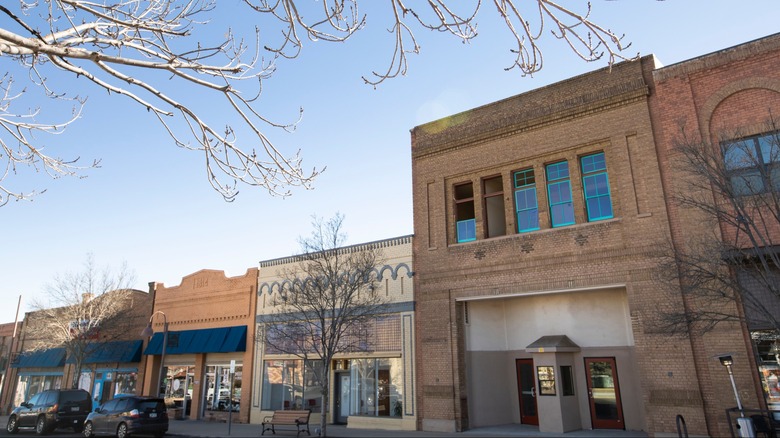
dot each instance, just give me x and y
(209, 429)
(196, 428)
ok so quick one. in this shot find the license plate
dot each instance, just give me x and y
(152, 415)
(74, 409)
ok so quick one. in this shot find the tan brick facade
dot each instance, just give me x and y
(632, 114)
(207, 299)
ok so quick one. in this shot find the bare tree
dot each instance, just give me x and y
(82, 311)
(328, 305)
(146, 51)
(730, 268)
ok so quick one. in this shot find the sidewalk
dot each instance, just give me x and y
(210, 429)
(197, 428)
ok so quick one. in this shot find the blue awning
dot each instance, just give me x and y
(51, 358)
(214, 340)
(117, 351)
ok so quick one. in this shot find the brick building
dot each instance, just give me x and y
(112, 363)
(726, 101)
(370, 387)
(210, 320)
(540, 225)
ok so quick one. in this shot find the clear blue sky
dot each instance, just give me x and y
(151, 206)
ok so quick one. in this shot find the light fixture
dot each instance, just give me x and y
(744, 424)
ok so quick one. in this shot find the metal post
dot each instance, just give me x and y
(162, 357)
(745, 425)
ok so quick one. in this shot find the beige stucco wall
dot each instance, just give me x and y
(499, 330)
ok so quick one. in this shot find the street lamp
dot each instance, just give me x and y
(147, 333)
(745, 425)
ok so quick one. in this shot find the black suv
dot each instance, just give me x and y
(52, 409)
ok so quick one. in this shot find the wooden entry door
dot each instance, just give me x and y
(526, 388)
(606, 411)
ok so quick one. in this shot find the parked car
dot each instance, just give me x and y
(51, 409)
(125, 416)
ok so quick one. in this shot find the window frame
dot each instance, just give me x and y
(763, 165)
(524, 188)
(595, 173)
(556, 182)
(470, 222)
(488, 212)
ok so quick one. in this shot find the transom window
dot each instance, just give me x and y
(559, 194)
(526, 202)
(465, 220)
(595, 187)
(753, 163)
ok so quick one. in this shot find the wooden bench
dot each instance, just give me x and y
(297, 418)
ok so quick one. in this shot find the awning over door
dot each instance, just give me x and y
(51, 358)
(214, 340)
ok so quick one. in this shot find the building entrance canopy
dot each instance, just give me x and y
(214, 340)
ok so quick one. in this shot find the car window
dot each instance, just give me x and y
(109, 406)
(153, 405)
(34, 399)
(72, 397)
(123, 404)
(48, 398)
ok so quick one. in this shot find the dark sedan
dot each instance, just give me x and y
(125, 416)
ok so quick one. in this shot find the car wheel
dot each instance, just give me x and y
(88, 430)
(40, 426)
(12, 426)
(121, 431)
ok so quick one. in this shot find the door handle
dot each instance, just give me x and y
(533, 391)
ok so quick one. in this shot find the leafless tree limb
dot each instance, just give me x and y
(329, 304)
(144, 51)
(81, 311)
(738, 264)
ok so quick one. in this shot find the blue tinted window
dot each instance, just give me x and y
(559, 194)
(467, 230)
(526, 204)
(595, 186)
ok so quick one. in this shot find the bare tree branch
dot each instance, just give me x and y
(735, 185)
(82, 311)
(329, 305)
(145, 51)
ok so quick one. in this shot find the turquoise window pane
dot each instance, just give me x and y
(527, 209)
(528, 220)
(557, 171)
(560, 192)
(562, 214)
(467, 230)
(593, 163)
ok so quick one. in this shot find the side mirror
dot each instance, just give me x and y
(26, 405)
(97, 410)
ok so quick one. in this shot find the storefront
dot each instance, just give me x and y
(370, 386)
(203, 370)
(38, 371)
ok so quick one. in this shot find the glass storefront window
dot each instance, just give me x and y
(28, 386)
(282, 384)
(218, 396)
(125, 383)
(377, 387)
